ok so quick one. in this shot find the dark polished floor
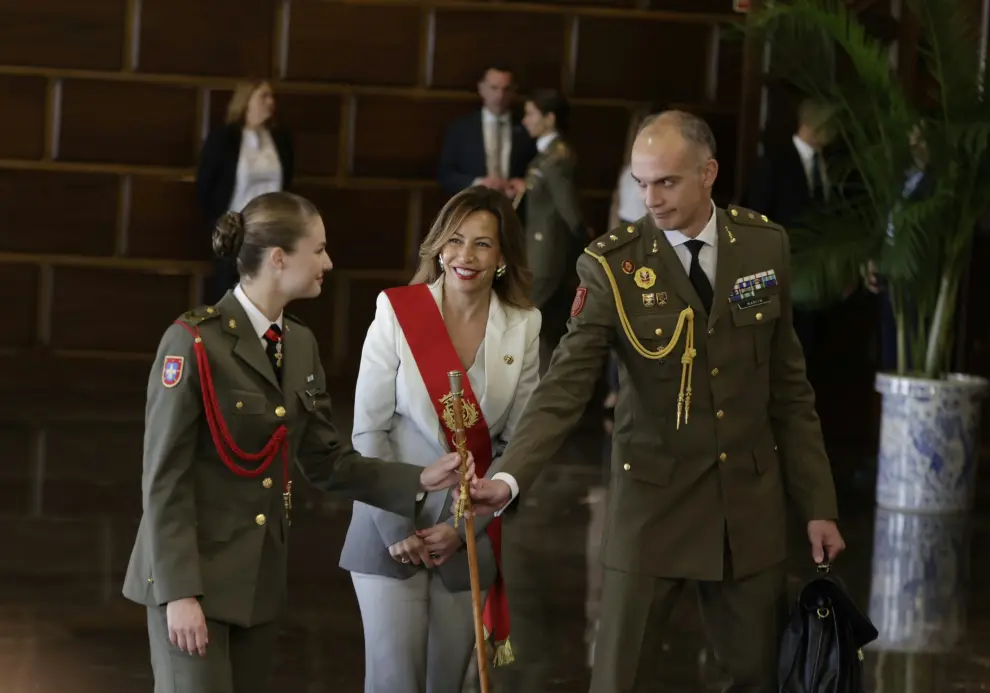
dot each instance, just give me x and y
(69, 514)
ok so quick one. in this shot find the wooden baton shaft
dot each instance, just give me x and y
(472, 547)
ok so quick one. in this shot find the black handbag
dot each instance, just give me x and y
(821, 651)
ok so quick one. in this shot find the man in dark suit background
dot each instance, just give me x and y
(790, 180)
(490, 146)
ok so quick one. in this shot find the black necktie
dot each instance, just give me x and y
(817, 184)
(273, 347)
(699, 280)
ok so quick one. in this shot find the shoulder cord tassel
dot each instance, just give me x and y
(685, 319)
(221, 434)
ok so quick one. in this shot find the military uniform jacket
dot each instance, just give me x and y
(752, 437)
(554, 222)
(207, 532)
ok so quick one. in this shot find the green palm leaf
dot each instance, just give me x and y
(872, 117)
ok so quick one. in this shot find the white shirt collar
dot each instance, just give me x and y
(258, 320)
(544, 141)
(708, 235)
(489, 117)
(805, 150)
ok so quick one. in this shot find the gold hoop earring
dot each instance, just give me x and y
(500, 271)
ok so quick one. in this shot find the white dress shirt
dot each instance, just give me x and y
(258, 320)
(490, 125)
(709, 251)
(543, 141)
(631, 206)
(259, 170)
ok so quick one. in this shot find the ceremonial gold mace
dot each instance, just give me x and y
(462, 510)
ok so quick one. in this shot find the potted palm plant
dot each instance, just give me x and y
(919, 245)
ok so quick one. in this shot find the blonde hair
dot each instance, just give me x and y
(515, 285)
(237, 108)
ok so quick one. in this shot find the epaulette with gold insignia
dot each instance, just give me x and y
(198, 315)
(613, 239)
(748, 217)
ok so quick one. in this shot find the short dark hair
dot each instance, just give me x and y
(272, 220)
(693, 128)
(497, 67)
(549, 101)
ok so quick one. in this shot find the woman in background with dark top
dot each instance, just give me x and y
(246, 157)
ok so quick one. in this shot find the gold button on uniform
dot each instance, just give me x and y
(719, 414)
(260, 519)
(723, 457)
(714, 372)
(658, 331)
(267, 483)
(239, 405)
(280, 411)
(759, 316)
(627, 466)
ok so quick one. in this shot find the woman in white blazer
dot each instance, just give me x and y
(467, 308)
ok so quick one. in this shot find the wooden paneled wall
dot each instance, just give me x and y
(106, 104)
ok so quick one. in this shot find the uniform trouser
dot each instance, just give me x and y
(238, 660)
(418, 636)
(744, 620)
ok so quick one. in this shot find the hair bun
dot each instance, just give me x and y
(229, 235)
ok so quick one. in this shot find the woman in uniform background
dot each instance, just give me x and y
(237, 394)
(245, 157)
(466, 309)
(555, 227)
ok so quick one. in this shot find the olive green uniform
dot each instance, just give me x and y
(706, 502)
(555, 234)
(209, 533)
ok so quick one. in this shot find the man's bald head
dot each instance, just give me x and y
(668, 126)
(673, 162)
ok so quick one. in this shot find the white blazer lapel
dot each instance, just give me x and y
(500, 375)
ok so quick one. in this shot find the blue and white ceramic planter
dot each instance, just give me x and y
(929, 442)
(919, 592)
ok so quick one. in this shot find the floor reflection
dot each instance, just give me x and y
(64, 628)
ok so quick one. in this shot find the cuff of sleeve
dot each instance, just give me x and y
(513, 489)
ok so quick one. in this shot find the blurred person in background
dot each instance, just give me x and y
(488, 146)
(245, 157)
(555, 227)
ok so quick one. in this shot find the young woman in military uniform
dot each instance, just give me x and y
(236, 395)
(555, 227)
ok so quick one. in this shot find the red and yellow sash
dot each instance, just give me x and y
(434, 353)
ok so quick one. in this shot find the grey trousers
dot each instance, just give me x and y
(238, 660)
(418, 637)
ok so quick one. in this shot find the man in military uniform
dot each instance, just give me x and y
(715, 424)
(555, 229)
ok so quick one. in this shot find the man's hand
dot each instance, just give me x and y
(187, 625)
(826, 542)
(443, 473)
(441, 541)
(487, 496)
(494, 183)
(411, 550)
